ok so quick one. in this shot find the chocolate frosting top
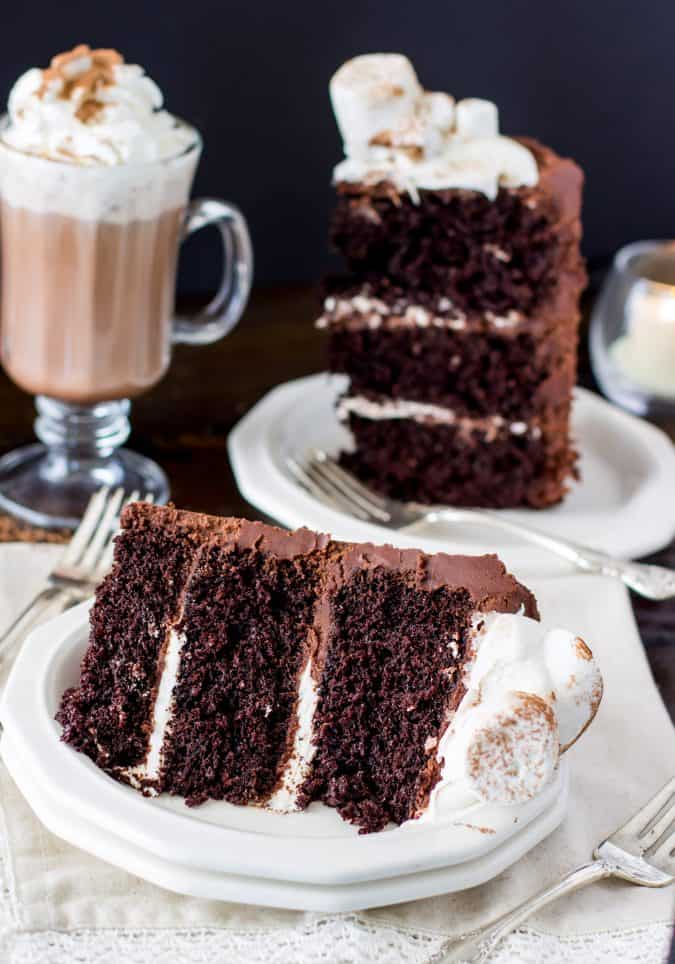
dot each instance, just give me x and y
(485, 577)
(203, 528)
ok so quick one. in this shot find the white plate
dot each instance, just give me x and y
(623, 505)
(209, 849)
(290, 895)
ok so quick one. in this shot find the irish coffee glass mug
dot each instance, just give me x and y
(88, 266)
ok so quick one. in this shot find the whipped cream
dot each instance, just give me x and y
(531, 690)
(89, 107)
(393, 130)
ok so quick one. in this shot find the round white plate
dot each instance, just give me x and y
(623, 504)
(309, 860)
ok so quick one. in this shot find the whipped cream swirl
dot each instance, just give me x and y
(91, 108)
(393, 130)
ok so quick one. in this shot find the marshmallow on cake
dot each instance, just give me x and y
(460, 302)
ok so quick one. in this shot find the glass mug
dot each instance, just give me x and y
(88, 258)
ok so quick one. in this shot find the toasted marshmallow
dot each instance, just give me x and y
(530, 692)
(511, 750)
(476, 118)
(577, 684)
(372, 95)
(395, 131)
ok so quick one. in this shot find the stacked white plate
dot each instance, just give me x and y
(311, 860)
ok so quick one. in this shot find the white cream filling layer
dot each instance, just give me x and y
(423, 412)
(297, 768)
(374, 313)
(149, 770)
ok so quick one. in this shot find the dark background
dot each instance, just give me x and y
(593, 78)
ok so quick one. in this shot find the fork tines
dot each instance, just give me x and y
(652, 829)
(328, 481)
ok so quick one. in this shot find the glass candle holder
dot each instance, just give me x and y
(88, 256)
(632, 335)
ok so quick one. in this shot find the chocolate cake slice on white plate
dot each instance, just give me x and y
(231, 660)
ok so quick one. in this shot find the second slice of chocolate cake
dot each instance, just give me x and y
(230, 660)
(456, 320)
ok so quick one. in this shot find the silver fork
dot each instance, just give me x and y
(323, 478)
(83, 564)
(642, 852)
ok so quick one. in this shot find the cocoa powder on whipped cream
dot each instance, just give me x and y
(90, 107)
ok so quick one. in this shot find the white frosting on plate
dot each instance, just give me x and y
(530, 692)
(393, 130)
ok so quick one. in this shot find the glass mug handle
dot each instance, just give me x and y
(222, 313)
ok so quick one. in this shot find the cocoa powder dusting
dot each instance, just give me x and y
(83, 84)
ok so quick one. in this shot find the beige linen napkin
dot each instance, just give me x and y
(626, 755)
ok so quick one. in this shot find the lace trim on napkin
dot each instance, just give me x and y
(325, 940)
(347, 939)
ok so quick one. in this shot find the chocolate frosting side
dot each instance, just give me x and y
(559, 177)
(485, 577)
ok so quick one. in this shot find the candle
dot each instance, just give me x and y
(645, 354)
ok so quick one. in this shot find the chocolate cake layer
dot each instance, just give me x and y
(392, 669)
(109, 716)
(246, 625)
(484, 255)
(455, 465)
(216, 621)
(473, 373)
(460, 302)
(398, 636)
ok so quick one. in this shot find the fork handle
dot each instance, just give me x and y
(28, 615)
(477, 947)
(652, 582)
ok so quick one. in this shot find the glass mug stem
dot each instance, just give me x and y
(50, 484)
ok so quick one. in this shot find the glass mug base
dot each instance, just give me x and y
(49, 485)
(46, 489)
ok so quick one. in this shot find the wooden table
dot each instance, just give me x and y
(184, 423)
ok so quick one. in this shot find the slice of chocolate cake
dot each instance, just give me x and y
(230, 660)
(457, 322)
